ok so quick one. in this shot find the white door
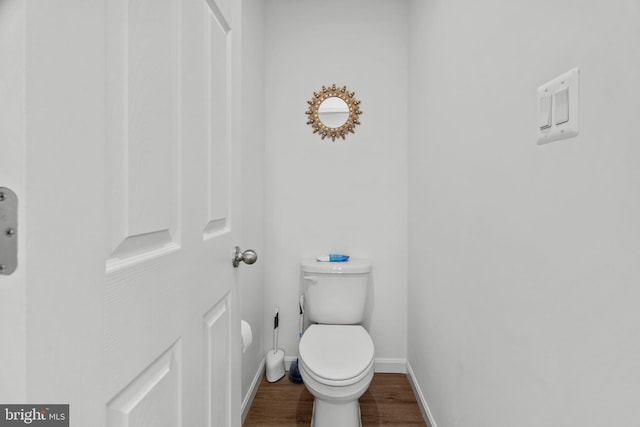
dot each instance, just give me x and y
(127, 300)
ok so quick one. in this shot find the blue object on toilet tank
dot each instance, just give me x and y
(333, 258)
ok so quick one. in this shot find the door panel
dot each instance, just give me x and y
(217, 360)
(217, 55)
(152, 399)
(143, 140)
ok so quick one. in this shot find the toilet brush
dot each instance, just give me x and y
(275, 357)
(294, 370)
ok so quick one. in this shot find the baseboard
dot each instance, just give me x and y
(251, 394)
(422, 402)
(391, 366)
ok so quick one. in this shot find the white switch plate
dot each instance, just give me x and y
(565, 129)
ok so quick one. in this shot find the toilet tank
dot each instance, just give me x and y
(335, 292)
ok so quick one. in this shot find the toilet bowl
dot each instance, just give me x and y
(337, 364)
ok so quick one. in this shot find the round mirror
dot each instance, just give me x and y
(333, 112)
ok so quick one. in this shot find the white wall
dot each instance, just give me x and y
(347, 196)
(252, 277)
(523, 259)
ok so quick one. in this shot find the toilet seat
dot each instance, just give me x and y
(337, 355)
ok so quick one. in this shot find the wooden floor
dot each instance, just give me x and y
(389, 401)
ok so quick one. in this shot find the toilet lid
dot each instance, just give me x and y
(336, 352)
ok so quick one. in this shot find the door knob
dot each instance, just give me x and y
(249, 256)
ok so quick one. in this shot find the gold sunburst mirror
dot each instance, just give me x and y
(333, 112)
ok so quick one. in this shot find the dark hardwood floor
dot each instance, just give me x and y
(389, 401)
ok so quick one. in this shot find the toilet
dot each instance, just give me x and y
(336, 354)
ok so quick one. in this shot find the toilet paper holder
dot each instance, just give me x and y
(246, 335)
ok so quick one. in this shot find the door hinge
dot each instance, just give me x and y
(8, 231)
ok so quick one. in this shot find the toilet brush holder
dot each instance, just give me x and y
(275, 365)
(275, 357)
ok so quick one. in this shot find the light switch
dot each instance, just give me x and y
(562, 106)
(545, 112)
(559, 108)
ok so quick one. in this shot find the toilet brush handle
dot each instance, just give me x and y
(276, 320)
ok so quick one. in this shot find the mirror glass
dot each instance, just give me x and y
(333, 112)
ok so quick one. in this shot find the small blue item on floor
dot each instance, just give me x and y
(294, 373)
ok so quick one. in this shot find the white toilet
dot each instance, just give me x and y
(336, 354)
